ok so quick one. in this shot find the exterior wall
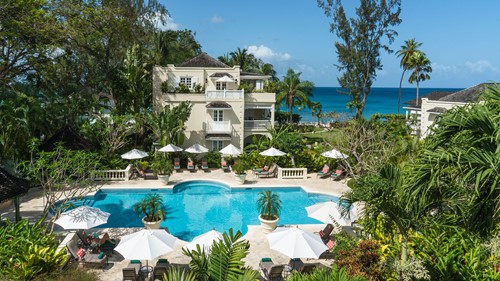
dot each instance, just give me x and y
(428, 118)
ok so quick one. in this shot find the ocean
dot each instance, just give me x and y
(380, 100)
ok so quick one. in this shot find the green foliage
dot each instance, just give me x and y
(246, 86)
(213, 159)
(358, 50)
(247, 62)
(151, 207)
(294, 92)
(240, 167)
(162, 164)
(406, 52)
(322, 274)
(72, 274)
(168, 125)
(282, 117)
(363, 260)
(174, 47)
(176, 274)
(27, 251)
(183, 89)
(269, 205)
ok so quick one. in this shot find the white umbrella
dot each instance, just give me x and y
(146, 244)
(296, 243)
(326, 211)
(230, 150)
(272, 152)
(134, 154)
(196, 148)
(170, 148)
(205, 240)
(83, 217)
(334, 154)
(225, 78)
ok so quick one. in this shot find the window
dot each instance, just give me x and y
(220, 85)
(186, 81)
(218, 115)
(217, 145)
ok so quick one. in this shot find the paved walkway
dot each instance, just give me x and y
(33, 203)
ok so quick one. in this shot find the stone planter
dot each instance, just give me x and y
(151, 225)
(164, 178)
(268, 225)
(240, 178)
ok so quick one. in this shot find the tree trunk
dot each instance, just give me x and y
(399, 94)
(417, 94)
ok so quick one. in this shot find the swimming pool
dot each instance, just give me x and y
(195, 207)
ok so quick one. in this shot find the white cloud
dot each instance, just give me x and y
(445, 68)
(267, 54)
(480, 66)
(216, 19)
(168, 25)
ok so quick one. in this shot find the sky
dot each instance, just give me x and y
(459, 37)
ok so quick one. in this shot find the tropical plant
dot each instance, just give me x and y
(317, 110)
(360, 42)
(363, 260)
(168, 125)
(223, 261)
(293, 91)
(421, 66)
(240, 167)
(407, 51)
(151, 207)
(269, 205)
(322, 274)
(162, 164)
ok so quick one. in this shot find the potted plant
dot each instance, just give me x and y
(162, 167)
(153, 210)
(269, 206)
(240, 170)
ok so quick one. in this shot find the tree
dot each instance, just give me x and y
(293, 91)
(317, 110)
(174, 46)
(247, 62)
(268, 69)
(358, 50)
(168, 125)
(421, 66)
(407, 51)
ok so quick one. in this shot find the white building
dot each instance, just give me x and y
(221, 114)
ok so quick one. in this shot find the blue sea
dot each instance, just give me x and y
(380, 100)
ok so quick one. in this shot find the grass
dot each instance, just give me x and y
(322, 136)
(72, 273)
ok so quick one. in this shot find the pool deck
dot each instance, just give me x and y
(32, 205)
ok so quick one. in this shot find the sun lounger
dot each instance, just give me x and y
(86, 258)
(269, 173)
(204, 165)
(177, 164)
(190, 165)
(295, 264)
(327, 255)
(337, 175)
(132, 271)
(224, 166)
(307, 268)
(84, 238)
(325, 233)
(270, 270)
(324, 172)
(162, 263)
(159, 272)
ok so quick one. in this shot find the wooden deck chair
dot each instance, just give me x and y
(190, 165)
(337, 175)
(159, 272)
(324, 172)
(269, 173)
(204, 165)
(177, 164)
(130, 273)
(224, 166)
(325, 233)
(275, 272)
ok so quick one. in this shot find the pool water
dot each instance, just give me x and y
(195, 207)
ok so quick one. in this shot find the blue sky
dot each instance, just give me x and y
(459, 37)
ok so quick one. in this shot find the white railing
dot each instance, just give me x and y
(214, 127)
(292, 173)
(257, 124)
(224, 94)
(112, 175)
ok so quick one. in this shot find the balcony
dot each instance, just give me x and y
(218, 127)
(259, 125)
(224, 94)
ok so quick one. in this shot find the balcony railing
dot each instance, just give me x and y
(257, 124)
(224, 94)
(218, 127)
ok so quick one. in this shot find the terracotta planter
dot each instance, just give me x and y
(151, 225)
(164, 178)
(268, 225)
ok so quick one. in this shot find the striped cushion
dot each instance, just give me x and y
(81, 252)
(330, 244)
(321, 233)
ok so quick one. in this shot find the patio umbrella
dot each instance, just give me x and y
(83, 217)
(146, 244)
(170, 148)
(335, 154)
(196, 148)
(296, 243)
(205, 240)
(225, 78)
(134, 154)
(272, 152)
(326, 211)
(230, 150)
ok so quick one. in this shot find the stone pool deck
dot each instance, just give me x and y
(32, 204)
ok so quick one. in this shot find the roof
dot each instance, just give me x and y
(465, 96)
(203, 60)
(218, 104)
(430, 96)
(221, 74)
(11, 186)
(70, 139)
(252, 74)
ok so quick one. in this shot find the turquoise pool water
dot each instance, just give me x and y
(195, 207)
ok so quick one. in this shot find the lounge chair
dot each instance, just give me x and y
(130, 273)
(159, 272)
(269, 173)
(204, 165)
(295, 264)
(190, 165)
(325, 233)
(84, 238)
(337, 175)
(258, 170)
(270, 270)
(99, 260)
(307, 268)
(324, 172)
(177, 164)
(224, 166)
(162, 263)
(327, 255)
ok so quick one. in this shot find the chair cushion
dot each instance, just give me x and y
(330, 244)
(81, 252)
(321, 233)
(325, 170)
(135, 261)
(101, 255)
(162, 260)
(266, 259)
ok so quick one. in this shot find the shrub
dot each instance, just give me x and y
(363, 260)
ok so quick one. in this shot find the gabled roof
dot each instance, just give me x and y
(203, 60)
(70, 138)
(430, 96)
(466, 95)
(11, 186)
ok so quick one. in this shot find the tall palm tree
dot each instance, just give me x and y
(294, 91)
(246, 61)
(421, 66)
(411, 46)
(268, 69)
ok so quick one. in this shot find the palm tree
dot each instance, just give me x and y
(317, 110)
(268, 69)
(411, 46)
(294, 91)
(246, 61)
(421, 66)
